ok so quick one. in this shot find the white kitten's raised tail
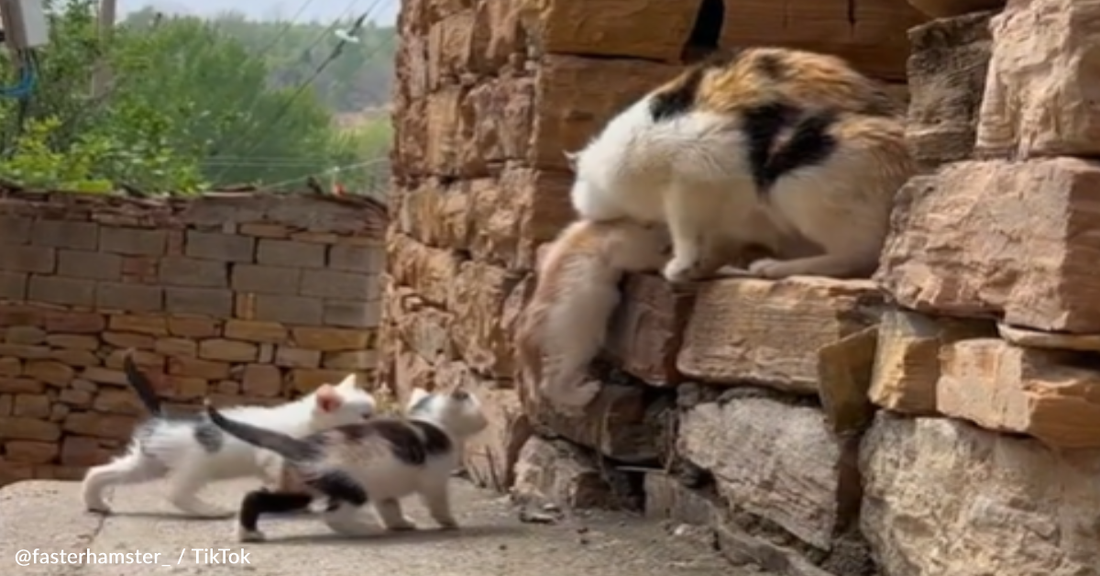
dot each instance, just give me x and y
(191, 452)
(379, 461)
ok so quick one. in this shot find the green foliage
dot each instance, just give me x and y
(191, 105)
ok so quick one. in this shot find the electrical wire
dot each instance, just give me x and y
(334, 169)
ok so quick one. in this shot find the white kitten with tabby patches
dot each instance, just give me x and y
(191, 452)
(380, 461)
(564, 325)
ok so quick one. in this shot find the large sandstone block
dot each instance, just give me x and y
(431, 272)
(983, 239)
(480, 298)
(514, 215)
(1039, 98)
(944, 497)
(907, 359)
(1051, 395)
(947, 69)
(643, 336)
(572, 108)
(624, 422)
(624, 28)
(555, 471)
(774, 460)
(769, 333)
(871, 34)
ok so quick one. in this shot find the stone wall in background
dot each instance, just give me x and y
(244, 297)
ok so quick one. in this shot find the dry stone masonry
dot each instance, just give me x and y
(940, 418)
(248, 298)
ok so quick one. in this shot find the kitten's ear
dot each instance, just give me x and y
(348, 382)
(328, 399)
(416, 396)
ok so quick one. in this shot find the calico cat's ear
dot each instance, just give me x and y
(328, 398)
(348, 382)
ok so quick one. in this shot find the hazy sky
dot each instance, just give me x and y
(381, 11)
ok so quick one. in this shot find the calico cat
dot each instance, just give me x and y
(564, 324)
(379, 461)
(753, 147)
(191, 452)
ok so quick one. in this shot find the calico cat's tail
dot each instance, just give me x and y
(282, 444)
(141, 384)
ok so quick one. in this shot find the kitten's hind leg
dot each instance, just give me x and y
(348, 519)
(260, 502)
(183, 494)
(393, 518)
(436, 496)
(133, 468)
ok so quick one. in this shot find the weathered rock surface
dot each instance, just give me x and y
(907, 360)
(983, 239)
(558, 472)
(1057, 341)
(1051, 395)
(667, 498)
(643, 336)
(944, 497)
(1039, 100)
(773, 460)
(768, 333)
(949, 8)
(947, 69)
(623, 422)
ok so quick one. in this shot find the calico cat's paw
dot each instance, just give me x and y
(246, 535)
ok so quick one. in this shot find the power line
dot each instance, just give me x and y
(334, 169)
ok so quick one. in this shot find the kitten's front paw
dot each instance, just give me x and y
(447, 523)
(246, 535)
(100, 508)
(575, 398)
(680, 270)
(403, 525)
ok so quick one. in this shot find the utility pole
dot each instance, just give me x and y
(101, 75)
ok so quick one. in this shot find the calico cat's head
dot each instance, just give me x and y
(339, 404)
(457, 411)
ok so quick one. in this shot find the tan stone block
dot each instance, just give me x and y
(24, 351)
(11, 367)
(643, 334)
(129, 340)
(514, 215)
(187, 387)
(435, 214)
(844, 370)
(500, 127)
(1038, 98)
(264, 230)
(19, 428)
(6, 401)
(227, 350)
(27, 335)
(99, 425)
(408, 371)
(290, 357)
(11, 472)
(355, 360)
(193, 327)
(75, 322)
(449, 133)
(73, 341)
(49, 371)
(262, 380)
(429, 271)
(21, 386)
(947, 70)
(558, 472)
(30, 451)
(196, 368)
(1036, 339)
(75, 357)
(619, 423)
(256, 331)
(870, 34)
(450, 49)
(118, 402)
(1048, 394)
(669, 498)
(333, 339)
(776, 461)
(940, 494)
(425, 328)
(907, 360)
(31, 406)
(101, 375)
(176, 347)
(141, 324)
(480, 335)
(769, 332)
(616, 28)
(228, 388)
(144, 359)
(83, 451)
(571, 108)
(1014, 243)
(73, 397)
